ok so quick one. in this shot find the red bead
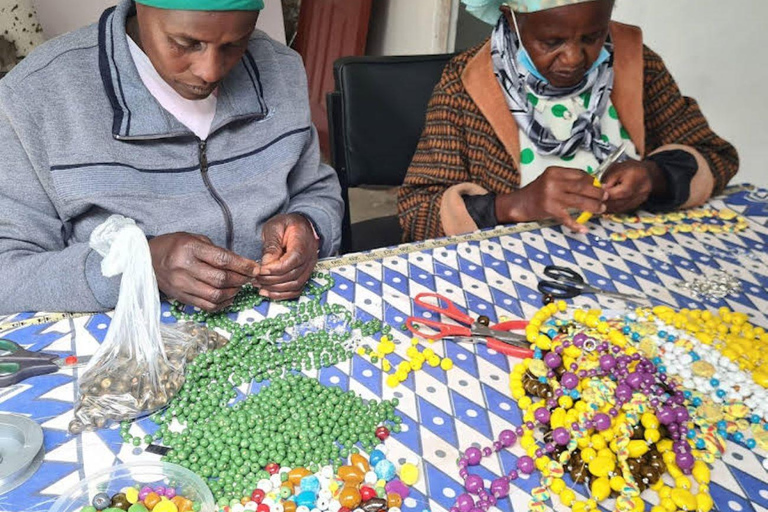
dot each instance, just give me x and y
(344, 509)
(382, 433)
(366, 493)
(263, 507)
(69, 361)
(272, 468)
(258, 496)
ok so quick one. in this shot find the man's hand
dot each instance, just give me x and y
(629, 184)
(289, 256)
(550, 196)
(189, 268)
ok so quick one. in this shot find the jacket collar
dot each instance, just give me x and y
(136, 113)
(627, 96)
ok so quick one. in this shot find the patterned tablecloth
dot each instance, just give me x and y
(443, 412)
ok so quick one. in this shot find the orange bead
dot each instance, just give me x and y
(360, 462)
(350, 497)
(351, 475)
(394, 500)
(182, 503)
(295, 475)
(151, 500)
(289, 506)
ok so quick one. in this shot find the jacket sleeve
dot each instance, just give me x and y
(38, 269)
(675, 122)
(440, 162)
(315, 192)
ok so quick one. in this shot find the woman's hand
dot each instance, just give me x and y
(551, 196)
(629, 184)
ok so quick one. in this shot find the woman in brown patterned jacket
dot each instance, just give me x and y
(514, 129)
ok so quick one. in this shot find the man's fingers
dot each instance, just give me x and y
(296, 284)
(287, 263)
(217, 277)
(277, 296)
(201, 303)
(224, 259)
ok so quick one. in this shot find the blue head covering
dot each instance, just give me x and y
(206, 5)
(488, 10)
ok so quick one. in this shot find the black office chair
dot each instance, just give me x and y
(375, 119)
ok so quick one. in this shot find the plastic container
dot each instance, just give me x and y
(152, 474)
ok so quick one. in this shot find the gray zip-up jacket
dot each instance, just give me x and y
(81, 138)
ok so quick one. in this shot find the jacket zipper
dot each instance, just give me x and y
(202, 146)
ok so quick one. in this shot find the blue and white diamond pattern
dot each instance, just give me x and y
(443, 412)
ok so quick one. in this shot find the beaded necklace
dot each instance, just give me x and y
(227, 443)
(674, 222)
(594, 406)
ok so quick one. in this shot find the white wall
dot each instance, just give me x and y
(60, 16)
(716, 51)
(410, 27)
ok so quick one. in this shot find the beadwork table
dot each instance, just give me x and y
(443, 411)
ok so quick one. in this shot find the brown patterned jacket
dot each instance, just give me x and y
(470, 144)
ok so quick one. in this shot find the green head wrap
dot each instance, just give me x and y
(205, 5)
(488, 10)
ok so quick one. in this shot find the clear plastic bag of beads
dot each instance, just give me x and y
(140, 365)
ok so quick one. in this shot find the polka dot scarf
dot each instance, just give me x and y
(514, 81)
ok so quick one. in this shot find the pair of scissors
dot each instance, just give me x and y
(598, 176)
(18, 364)
(497, 337)
(566, 283)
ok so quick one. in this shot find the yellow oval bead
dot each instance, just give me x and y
(704, 502)
(617, 483)
(637, 448)
(652, 435)
(601, 488)
(683, 499)
(558, 485)
(658, 508)
(665, 491)
(701, 472)
(669, 505)
(598, 442)
(601, 466)
(683, 482)
(588, 454)
(567, 497)
(649, 420)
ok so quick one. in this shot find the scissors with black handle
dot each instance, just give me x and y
(18, 364)
(566, 283)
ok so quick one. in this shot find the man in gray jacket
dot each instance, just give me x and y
(179, 115)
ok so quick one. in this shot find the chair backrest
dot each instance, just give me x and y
(377, 113)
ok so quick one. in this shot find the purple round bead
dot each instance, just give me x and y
(542, 415)
(473, 456)
(473, 484)
(561, 436)
(465, 502)
(525, 465)
(553, 360)
(684, 460)
(569, 381)
(507, 438)
(602, 421)
(500, 488)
